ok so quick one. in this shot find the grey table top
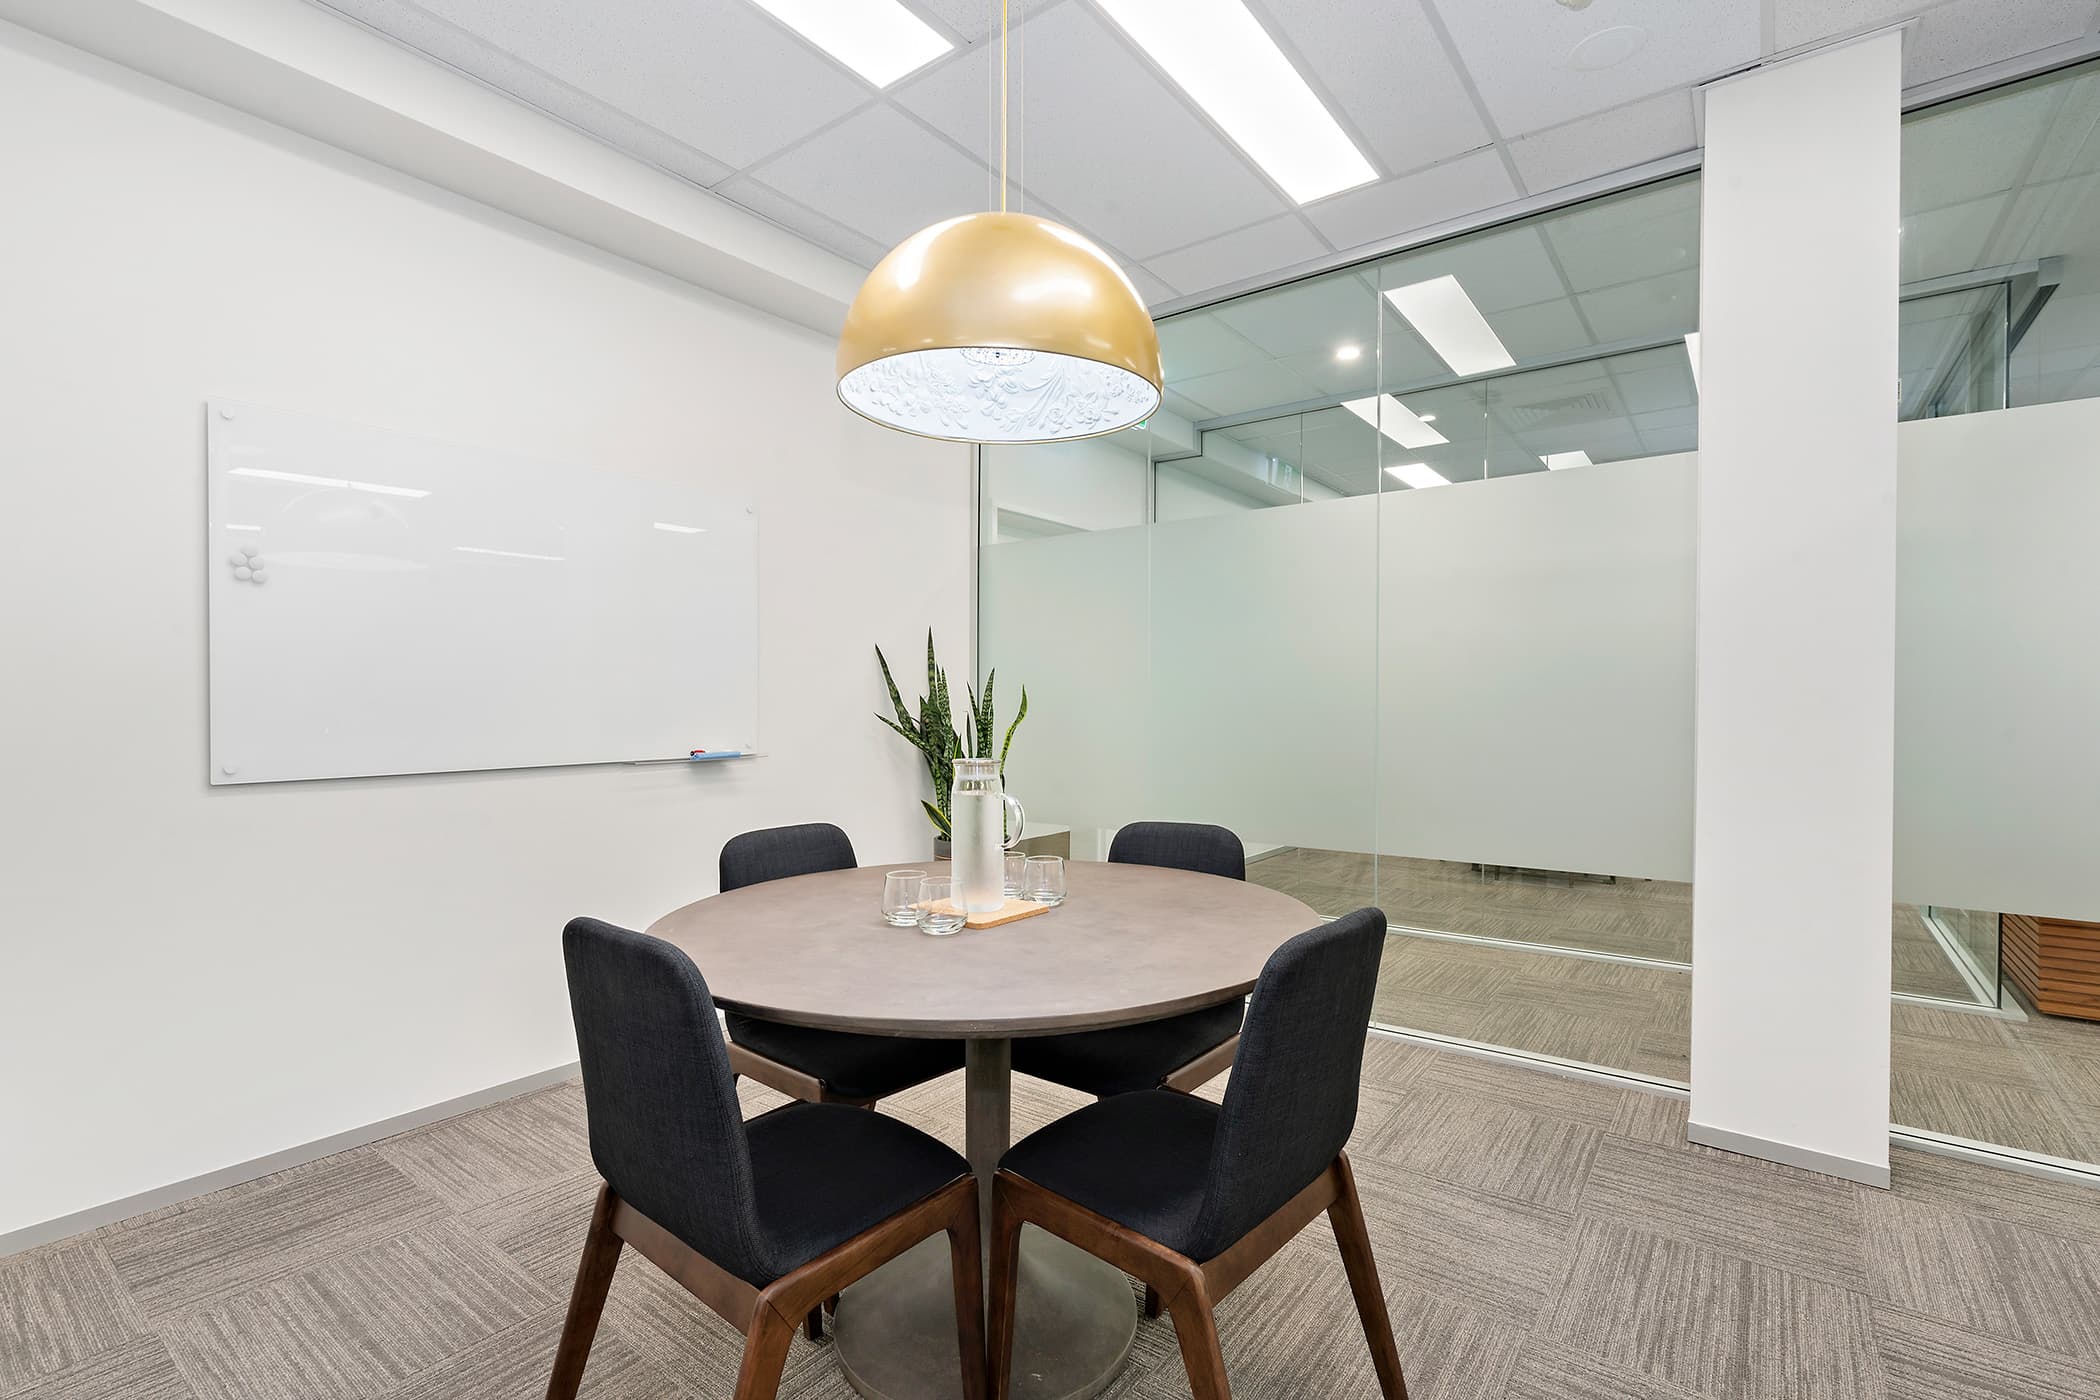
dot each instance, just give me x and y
(1132, 943)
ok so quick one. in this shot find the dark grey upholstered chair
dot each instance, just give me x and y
(819, 1066)
(1191, 1197)
(762, 1220)
(1181, 1052)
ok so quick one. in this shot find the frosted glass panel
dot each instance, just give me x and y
(1262, 638)
(1535, 670)
(1065, 616)
(1998, 662)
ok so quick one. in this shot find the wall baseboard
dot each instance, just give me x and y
(94, 1217)
(1808, 1159)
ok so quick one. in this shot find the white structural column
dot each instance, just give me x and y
(1796, 611)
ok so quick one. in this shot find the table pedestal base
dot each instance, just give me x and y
(1076, 1318)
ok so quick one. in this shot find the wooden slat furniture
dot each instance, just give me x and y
(2054, 962)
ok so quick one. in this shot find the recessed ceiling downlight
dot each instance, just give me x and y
(1607, 47)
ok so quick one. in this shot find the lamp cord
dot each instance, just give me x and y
(1002, 106)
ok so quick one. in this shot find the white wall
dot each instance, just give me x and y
(1796, 566)
(194, 977)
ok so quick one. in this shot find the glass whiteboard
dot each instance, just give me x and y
(382, 603)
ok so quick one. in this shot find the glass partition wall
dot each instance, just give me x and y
(1398, 585)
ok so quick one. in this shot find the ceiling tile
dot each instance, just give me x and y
(879, 172)
(1186, 407)
(1197, 345)
(708, 73)
(1627, 238)
(409, 25)
(1102, 138)
(1308, 316)
(1267, 385)
(1965, 34)
(972, 20)
(1798, 22)
(1534, 332)
(1509, 267)
(1937, 242)
(1650, 308)
(1387, 71)
(1971, 149)
(1265, 247)
(1522, 56)
(1609, 141)
(1353, 378)
(1393, 207)
(1151, 288)
(798, 218)
(2059, 219)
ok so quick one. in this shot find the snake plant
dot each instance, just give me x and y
(933, 732)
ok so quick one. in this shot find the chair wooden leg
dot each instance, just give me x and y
(1354, 1240)
(766, 1344)
(1006, 1278)
(1196, 1328)
(1151, 1301)
(594, 1276)
(813, 1325)
(967, 1264)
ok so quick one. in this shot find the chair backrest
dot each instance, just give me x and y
(1207, 850)
(1291, 1102)
(666, 1130)
(779, 852)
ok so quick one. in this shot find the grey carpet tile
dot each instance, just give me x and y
(1927, 1360)
(138, 1370)
(1534, 1091)
(1496, 1257)
(357, 1325)
(1448, 1352)
(1975, 1060)
(2051, 1205)
(1291, 1329)
(1986, 1275)
(1939, 1023)
(1547, 1372)
(1488, 1147)
(2029, 1118)
(1712, 1324)
(1659, 1120)
(514, 1365)
(235, 1240)
(60, 1305)
(541, 1228)
(1390, 1063)
(1401, 1008)
(1793, 1221)
(522, 1142)
(1439, 967)
(1538, 1027)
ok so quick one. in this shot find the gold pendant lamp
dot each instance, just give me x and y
(999, 327)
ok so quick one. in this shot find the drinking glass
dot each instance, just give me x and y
(900, 896)
(1044, 880)
(939, 913)
(1016, 866)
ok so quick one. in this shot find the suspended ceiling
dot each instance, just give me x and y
(1461, 105)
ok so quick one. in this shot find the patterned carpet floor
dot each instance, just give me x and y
(1540, 1238)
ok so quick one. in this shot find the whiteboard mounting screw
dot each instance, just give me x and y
(226, 413)
(229, 769)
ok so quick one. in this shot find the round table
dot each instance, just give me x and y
(1132, 943)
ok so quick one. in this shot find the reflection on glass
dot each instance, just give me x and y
(1951, 353)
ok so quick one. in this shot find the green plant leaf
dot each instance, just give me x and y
(939, 819)
(896, 698)
(984, 719)
(1007, 747)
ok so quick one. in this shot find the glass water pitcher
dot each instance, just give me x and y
(979, 811)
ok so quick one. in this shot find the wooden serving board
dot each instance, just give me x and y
(1009, 912)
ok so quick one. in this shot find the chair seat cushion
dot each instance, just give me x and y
(852, 1066)
(1127, 1058)
(1141, 1159)
(824, 1172)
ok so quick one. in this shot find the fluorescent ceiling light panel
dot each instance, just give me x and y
(1691, 350)
(337, 482)
(1227, 63)
(1419, 475)
(1394, 420)
(681, 529)
(1559, 461)
(878, 39)
(509, 554)
(1442, 314)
